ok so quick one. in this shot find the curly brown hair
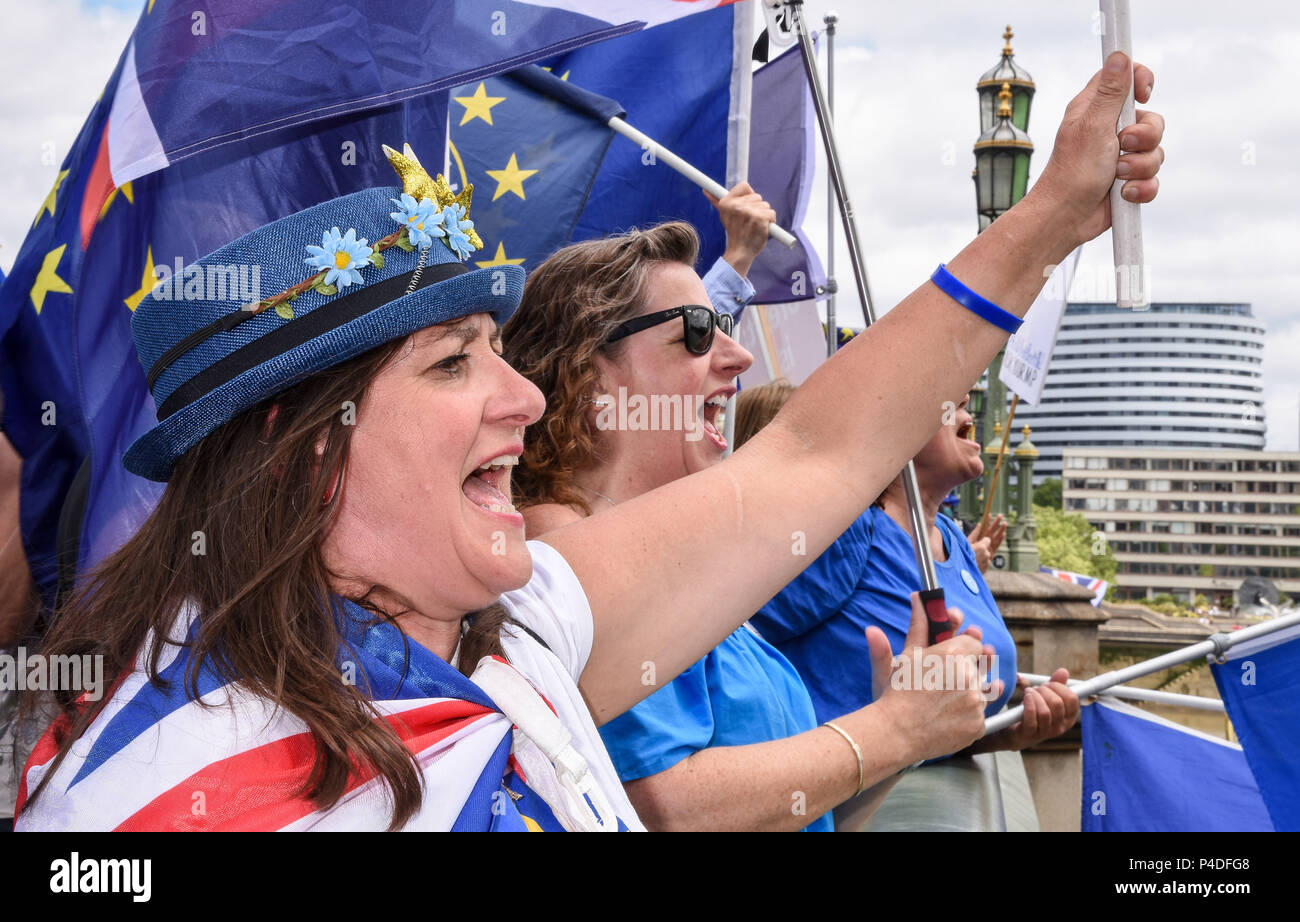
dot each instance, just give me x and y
(571, 303)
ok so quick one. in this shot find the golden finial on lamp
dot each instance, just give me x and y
(1004, 101)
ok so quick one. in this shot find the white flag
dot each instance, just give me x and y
(1024, 366)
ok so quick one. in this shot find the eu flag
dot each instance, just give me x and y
(531, 144)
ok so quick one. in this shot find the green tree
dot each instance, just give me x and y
(1048, 493)
(1066, 541)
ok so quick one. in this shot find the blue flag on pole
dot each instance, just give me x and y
(1142, 773)
(199, 75)
(676, 82)
(1260, 686)
(531, 144)
(782, 134)
(255, 109)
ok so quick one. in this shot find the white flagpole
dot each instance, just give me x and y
(1214, 646)
(714, 188)
(1125, 216)
(1155, 696)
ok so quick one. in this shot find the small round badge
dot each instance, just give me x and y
(970, 582)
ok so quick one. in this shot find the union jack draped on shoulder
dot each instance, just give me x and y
(154, 759)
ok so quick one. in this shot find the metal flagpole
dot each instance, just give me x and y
(1216, 645)
(932, 598)
(1125, 216)
(1170, 699)
(832, 333)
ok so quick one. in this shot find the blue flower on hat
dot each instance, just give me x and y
(459, 227)
(342, 255)
(423, 220)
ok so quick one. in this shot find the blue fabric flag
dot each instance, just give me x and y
(200, 75)
(531, 144)
(675, 82)
(782, 132)
(1260, 686)
(1142, 773)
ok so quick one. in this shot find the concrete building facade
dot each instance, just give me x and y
(1190, 521)
(1182, 376)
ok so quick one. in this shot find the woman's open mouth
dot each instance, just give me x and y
(715, 420)
(966, 432)
(489, 487)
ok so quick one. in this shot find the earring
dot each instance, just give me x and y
(329, 491)
(600, 403)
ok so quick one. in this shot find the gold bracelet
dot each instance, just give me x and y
(862, 776)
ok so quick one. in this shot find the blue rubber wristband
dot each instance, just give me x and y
(968, 299)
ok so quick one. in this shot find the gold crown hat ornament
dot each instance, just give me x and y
(209, 358)
(420, 186)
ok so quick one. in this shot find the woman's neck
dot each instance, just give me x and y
(612, 483)
(895, 504)
(439, 635)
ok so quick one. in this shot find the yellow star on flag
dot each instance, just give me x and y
(47, 280)
(51, 198)
(125, 189)
(511, 179)
(479, 105)
(146, 284)
(499, 259)
(566, 73)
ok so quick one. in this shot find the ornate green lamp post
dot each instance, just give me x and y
(1020, 541)
(1001, 177)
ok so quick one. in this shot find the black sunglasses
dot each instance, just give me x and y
(698, 321)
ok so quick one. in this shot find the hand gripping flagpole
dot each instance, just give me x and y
(932, 599)
(1215, 646)
(1125, 216)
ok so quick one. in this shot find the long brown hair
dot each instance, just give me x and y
(251, 497)
(571, 303)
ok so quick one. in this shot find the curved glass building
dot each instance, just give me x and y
(1176, 376)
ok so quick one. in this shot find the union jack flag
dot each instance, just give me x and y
(155, 759)
(1098, 586)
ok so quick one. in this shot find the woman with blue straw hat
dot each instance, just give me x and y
(332, 619)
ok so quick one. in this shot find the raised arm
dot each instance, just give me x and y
(671, 573)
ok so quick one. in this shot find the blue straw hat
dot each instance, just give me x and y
(273, 308)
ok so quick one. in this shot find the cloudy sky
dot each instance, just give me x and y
(1226, 226)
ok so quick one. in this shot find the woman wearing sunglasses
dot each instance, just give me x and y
(606, 326)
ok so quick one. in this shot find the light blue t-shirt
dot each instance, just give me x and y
(866, 577)
(744, 691)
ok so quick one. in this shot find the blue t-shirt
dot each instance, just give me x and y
(744, 691)
(866, 577)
